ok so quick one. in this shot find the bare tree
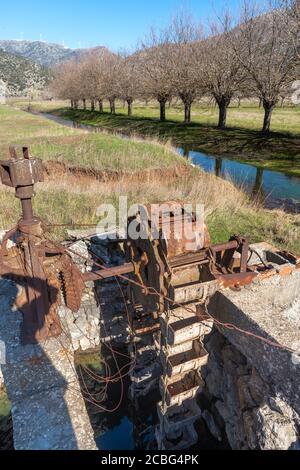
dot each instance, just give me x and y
(224, 74)
(66, 84)
(155, 70)
(89, 77)
(127, 80)
(110, 79)
(293, 9)
(186, 62)
(264, 45)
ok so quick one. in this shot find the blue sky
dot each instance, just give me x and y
(116, 24)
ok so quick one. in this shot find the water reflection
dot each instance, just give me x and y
(274, 189)
(218, 166)
(258, 190)
(186, 152)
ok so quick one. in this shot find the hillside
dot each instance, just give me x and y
(21, 75)
(43, 53)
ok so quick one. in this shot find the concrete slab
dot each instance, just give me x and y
(270, 308)
(48, 408)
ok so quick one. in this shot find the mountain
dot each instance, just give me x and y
(20, 74)
(43, 53)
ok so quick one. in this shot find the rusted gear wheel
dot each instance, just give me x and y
(71, 282)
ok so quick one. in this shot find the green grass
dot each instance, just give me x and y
(91, 360)
(74, 147)
(241, 140)
(285, 120)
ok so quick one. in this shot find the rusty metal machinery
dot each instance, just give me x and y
(152, 253)
(169, 268)
(41, 268)
(163, 271)
(44, 270)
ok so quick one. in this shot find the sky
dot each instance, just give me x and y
(117, 24)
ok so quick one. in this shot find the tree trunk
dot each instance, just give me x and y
(100, 102)
(268, 107)
(162, 109)
(129, 103)
(93, 105)
(72, 104)
(239, 102)
(223, 104)
(76, 104)
(187, 112)
(112, 106)
(84, 104)
(260, 102)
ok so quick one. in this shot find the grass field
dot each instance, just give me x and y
(241, 140)
(67, 198)
(79, 148)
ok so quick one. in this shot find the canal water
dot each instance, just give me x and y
(131, 425)
(275, 189)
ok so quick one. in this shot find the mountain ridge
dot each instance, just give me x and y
(43, 53)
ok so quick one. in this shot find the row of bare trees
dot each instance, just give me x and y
(256, 57)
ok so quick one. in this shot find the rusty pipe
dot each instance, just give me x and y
(232, 245)
(27, 210)
(106, 273)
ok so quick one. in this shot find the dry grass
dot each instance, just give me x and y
(72, 200)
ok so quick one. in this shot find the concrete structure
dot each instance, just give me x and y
(48, 409)
(256, 386)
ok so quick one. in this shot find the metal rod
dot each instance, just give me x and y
(126, 268)
(225, 246)
(27, 210)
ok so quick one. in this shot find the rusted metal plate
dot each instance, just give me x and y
(24, 171)
(179, 389)
(179, 326)
(186, 361)
(235, 280)
(145, 326)
(176, 417)
(193, 292)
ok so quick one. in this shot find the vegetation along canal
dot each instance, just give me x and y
(273, 188)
